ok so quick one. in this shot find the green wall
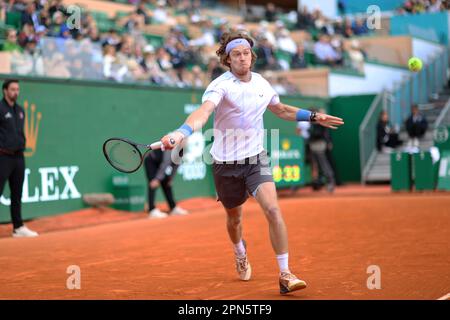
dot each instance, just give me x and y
(346, 139)
(78, 116)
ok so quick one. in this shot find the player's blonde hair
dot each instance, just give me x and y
(228, 37)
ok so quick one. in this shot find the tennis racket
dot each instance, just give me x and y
(127, 156)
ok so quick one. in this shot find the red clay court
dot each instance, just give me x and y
(333, 240)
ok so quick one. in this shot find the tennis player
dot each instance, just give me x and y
(239, 98)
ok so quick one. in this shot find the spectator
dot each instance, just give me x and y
(160, 14)
(387, 137)
(360, 27)
(356, 56)
(57, 66)
(30, 16)
(416, 126)
(214, 69)
(325, 53)
(141, 10)
(286, 43)
(197, 78)
(29, 62)
(298, 59)
(152, 68)
(58, 28)
(264, 32)
(112, 68)
(26, 34)
(304, 19)
(10, 43)
(348, 30)
(271, 12)
(55, 6)
(111, 38)
(266, 58)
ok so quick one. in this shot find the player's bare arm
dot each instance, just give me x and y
(195, 121)
(290, 113)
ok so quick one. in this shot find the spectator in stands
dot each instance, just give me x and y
(285, 42)
(387, 137)
(58, 28)
(55, 6)
(26, 34)
(161, 15)
(264, 32)
(416, 126)
(197, 78)
(356, 55)
(29, 62)
(214, 69)
(57, 66)
(266, 56)
(10, 43)
(141, 10)
(163, 59)
(304, 19)
(348, 29)
(207, 38)
(177, 57)
(30, 16)
(112, 68)
(299, 59)
(112, 38)
(271, 12)
(152, 68)
(360, 27)
(325, 53)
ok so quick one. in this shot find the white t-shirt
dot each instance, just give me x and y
(238, 115)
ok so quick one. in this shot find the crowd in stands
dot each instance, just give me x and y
(46, 43)
(421, 6)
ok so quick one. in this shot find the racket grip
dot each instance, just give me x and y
(158, 145)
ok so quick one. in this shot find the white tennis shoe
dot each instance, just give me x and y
(157, 214)
(177, 211)
(24, 232)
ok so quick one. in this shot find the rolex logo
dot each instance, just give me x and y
(32, 119)
(285, 144)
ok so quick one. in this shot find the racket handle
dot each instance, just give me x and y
(158, 145)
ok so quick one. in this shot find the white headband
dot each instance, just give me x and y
(236, 42)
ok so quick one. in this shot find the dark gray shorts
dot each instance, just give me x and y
(236, 180)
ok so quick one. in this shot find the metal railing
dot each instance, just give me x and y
(367, 134)
(416, 88)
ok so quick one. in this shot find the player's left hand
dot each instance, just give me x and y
(328, 121)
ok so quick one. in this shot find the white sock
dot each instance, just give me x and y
(239, 249)
(283, 262)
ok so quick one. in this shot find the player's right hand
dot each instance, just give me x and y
(171, 140)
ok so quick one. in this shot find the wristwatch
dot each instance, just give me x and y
(312, 117)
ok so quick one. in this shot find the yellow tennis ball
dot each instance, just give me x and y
(415, 64)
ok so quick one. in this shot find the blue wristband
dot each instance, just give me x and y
(303, 115)
(186, 130)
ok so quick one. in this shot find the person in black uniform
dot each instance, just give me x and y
(161, 170)
(12, 162)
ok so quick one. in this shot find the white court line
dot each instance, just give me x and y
(446, 297)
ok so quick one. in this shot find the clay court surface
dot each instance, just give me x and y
(333, 240)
